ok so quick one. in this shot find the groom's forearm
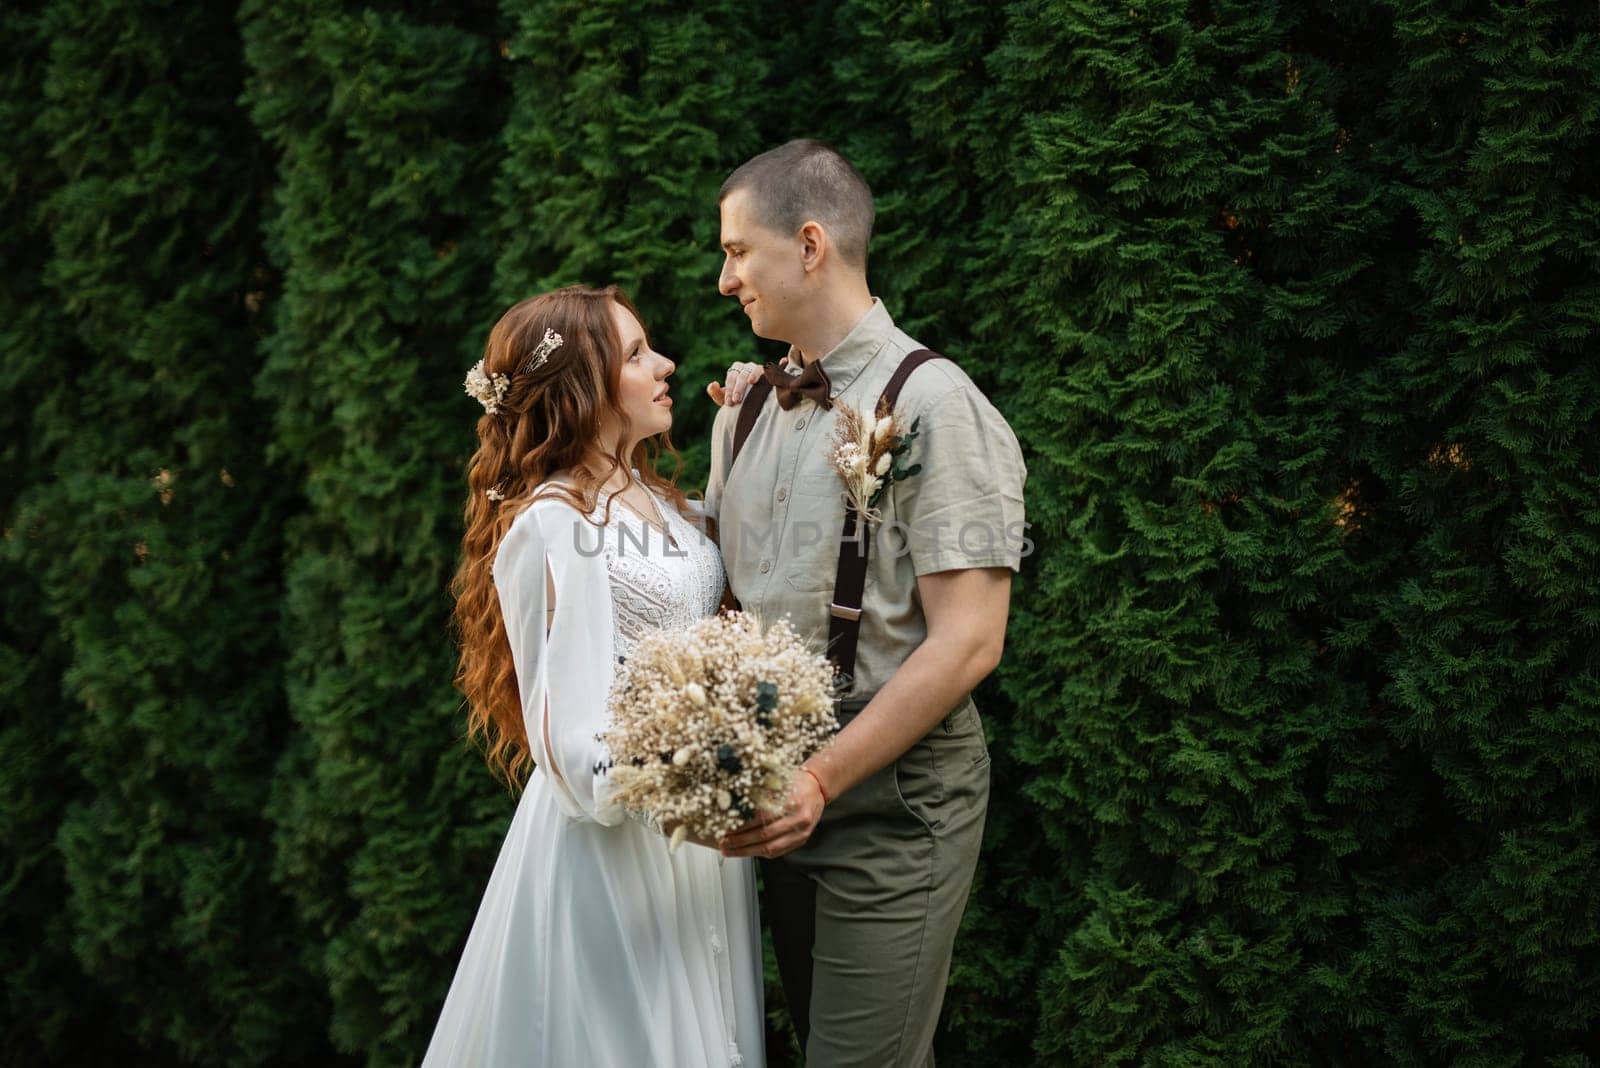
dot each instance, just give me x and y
(966, 613)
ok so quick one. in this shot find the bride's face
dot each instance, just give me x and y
(642, 392)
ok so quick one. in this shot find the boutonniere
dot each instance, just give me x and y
(870, 454)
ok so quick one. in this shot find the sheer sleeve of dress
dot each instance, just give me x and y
(564, 677)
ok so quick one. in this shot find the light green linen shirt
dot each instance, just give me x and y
(780, 511)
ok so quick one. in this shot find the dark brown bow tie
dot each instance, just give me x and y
(811, 382)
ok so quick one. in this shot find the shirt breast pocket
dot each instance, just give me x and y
(817, 481)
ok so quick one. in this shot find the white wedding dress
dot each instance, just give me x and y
(593, 945)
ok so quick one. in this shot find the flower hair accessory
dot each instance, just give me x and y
(547, 344)
(488, 390)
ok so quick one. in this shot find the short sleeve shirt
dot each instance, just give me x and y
(780, 511)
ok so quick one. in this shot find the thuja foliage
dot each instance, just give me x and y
(147, 537)
(1293, 307)
(1306, 680)
(383, 126)
(47, 997)
(1479, 430)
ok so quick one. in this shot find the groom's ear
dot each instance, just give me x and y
(815, 247)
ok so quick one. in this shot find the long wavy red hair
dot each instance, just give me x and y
(547, 422)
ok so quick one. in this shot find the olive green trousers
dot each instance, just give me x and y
(864, 915)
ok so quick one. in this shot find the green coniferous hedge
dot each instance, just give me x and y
(1294, 309)
(1479, 449)
(47, 1002)
(384, 125)
(148, 532)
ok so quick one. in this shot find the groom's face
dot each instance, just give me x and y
(761, 269)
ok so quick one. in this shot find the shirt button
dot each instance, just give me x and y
(800, 424)
(783, 493)
(766, 565)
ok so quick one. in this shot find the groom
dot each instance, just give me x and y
(867, 870)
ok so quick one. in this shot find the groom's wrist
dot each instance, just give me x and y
(821, 789)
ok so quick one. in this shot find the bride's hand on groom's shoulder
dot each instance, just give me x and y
(772, 834)
(741, 376)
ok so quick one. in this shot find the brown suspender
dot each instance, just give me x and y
(753, 401)
(850, 580)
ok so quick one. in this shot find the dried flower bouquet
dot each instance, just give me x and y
(710, 724)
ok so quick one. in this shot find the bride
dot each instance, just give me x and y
(593, 944)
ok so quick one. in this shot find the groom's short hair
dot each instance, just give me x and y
(807, 180)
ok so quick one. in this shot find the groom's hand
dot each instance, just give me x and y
(774, 834)
(741, 376)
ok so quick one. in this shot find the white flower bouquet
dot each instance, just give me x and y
(710, 724)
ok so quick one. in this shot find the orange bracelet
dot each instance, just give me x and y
(820, 790)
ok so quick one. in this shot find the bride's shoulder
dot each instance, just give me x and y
(547, 526)
(546, 505)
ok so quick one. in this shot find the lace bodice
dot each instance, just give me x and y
(656, 583)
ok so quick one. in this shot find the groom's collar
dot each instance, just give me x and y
(850, 357)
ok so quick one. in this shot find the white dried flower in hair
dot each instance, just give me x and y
(541, 352)
(488, 390)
